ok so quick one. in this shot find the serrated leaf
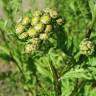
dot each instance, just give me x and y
(44, 71)
(77, 73)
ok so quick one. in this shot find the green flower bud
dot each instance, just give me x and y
(45, 19)
(54, 14)
(47, 10)
(24, 35)
(35, 41)
(86, 47)
(59, 21)
(33, 46)
(37, 13)
(28, 48)
(35, 20)
(43, 36)
(39, 27)
(19, 29)
(48, 28)
(26, 20)
(32, 32)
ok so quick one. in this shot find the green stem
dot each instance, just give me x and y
(57, 82)
(78, 88)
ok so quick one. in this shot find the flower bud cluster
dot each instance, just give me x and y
(39, 26)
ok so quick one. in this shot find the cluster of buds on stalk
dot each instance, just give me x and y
(38, 27)
(86, 47)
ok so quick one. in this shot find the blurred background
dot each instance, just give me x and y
(27, 5)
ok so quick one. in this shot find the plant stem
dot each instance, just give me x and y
(77, 88)
(57, 82)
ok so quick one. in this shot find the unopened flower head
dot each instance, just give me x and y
(19, 29)
(39, 27)
(54, 13)
(32, 32)
(24, 35)
(35, 41)
(43, 36)
(59, 21)
(47, 10)
(45, 19)
(26, 20)
(37, 13)
(86, 47)
(48, 28)
(29, 48)
(35, 20)
(32, 46)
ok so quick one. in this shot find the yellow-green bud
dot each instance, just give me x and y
(48, 28)
(28, 48)
(59, 21)
(39, 27)
(19, 29)
(37, 13)
(54, 14)
(47, 10)
(23, 35)
(35, 20)
(43, 36)
(45, 19)
(33, 46)
(26, 20)
(86, 47)
(35, 41)
(32, 32)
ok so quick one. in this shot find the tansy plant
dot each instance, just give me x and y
(54, 49)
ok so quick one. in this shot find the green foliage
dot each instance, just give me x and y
(58, 68)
